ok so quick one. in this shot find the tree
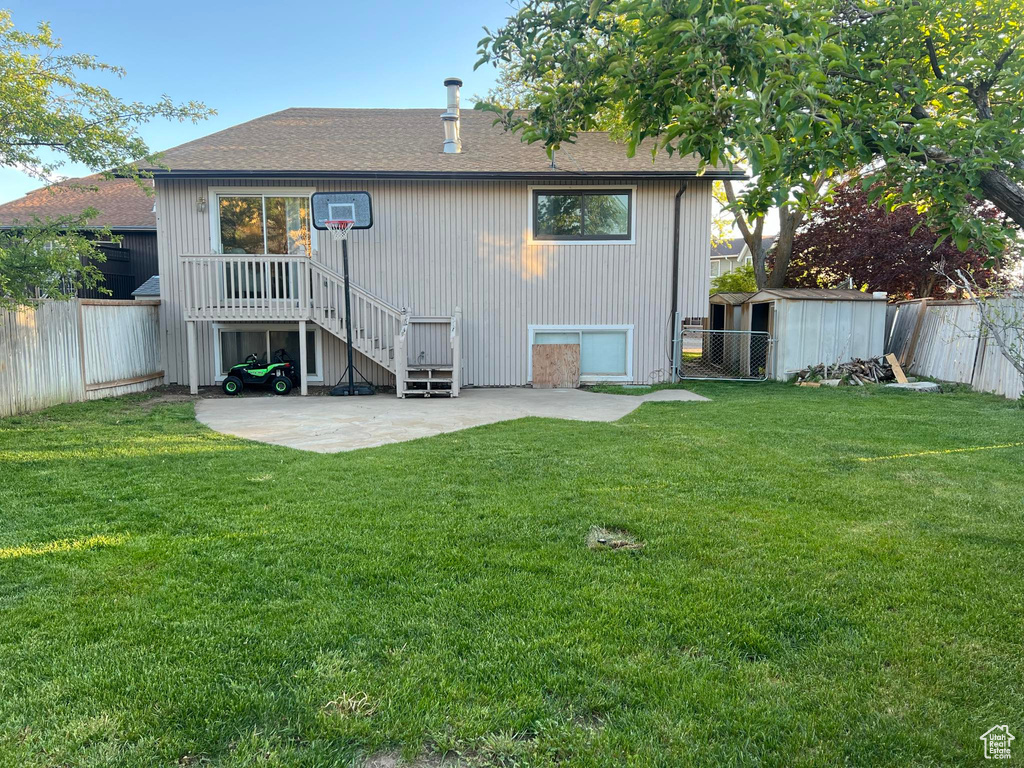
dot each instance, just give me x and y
(739, 280)
(726, 81)
(849, 238)
(51, 118)
(934, 87)
(799, 90)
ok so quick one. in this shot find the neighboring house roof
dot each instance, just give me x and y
(404, 143)
(120, 202)
(817, 294)
(728, 248)
(149, 288)
(737, 247)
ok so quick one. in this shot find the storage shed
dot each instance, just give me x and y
(809, 325)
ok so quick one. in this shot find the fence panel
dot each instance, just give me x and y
(65, 351)
(122, 347)
(40, 358)
(947, 343)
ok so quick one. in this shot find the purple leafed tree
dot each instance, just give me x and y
(849, 237)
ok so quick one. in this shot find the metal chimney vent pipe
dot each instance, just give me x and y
(450, 119)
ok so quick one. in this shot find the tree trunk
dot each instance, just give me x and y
(788, 222)
(1008, 196)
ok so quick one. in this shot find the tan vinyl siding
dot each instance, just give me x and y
(436, 245)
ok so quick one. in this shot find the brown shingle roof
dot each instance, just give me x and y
(403, 142)
(120, 202)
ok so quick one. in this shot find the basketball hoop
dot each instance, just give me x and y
(339, 228)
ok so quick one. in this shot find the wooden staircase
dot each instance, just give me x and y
(381, 331)
(219, 287)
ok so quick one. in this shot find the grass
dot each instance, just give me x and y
(173, 596)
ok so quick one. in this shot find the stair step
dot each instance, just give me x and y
(430, 373)
(428, 392)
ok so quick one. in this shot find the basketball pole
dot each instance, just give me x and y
(350, 388)
(348, 319)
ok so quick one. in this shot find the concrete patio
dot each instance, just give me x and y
(335, 424)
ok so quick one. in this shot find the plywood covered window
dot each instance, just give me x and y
(583, 214)
(606, 351)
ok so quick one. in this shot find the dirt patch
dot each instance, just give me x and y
(394, 760)
(613, 538)
(174, 394)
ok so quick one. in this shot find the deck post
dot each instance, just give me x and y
(193, 357)
(456, 340)
(304, 384)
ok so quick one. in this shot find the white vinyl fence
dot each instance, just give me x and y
(943, 340)
(65, 351)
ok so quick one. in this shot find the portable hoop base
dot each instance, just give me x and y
(355, 389)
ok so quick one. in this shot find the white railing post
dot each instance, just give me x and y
(401, 353)
(456, 341)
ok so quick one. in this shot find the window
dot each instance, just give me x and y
(606, 351)
(263, 223)
(583, 214)
(235, 343)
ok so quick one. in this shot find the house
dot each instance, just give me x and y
(481, 247)
(807, 326)
(732, 254)
(122, 207)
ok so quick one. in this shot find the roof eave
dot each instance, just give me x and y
(93, 227)
(459, 175)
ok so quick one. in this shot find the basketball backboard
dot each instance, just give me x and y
(342, 206)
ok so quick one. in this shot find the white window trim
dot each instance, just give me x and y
(572, 188)
(213, 208)
(317, 351)
(532, 330)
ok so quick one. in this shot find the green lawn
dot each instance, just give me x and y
(172, 596)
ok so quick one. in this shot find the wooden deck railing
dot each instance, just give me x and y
(245, 287)
(375, 322)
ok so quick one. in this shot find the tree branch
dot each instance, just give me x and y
(933, 57)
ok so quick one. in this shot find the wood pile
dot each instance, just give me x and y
(876, 370)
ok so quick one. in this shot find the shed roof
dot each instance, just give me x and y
(120, 202)
(149, 288)
(405, 143)
(816, 294)
(731, 299)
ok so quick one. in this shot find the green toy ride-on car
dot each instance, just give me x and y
(280, 375)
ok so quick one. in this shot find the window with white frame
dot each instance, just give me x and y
(237, 342)
(262, 223)
(606, 351)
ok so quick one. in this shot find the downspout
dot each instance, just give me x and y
(676, 213)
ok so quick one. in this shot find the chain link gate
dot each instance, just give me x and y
(724, 355)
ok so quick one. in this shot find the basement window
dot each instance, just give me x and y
(585, 215)
(606, 351)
